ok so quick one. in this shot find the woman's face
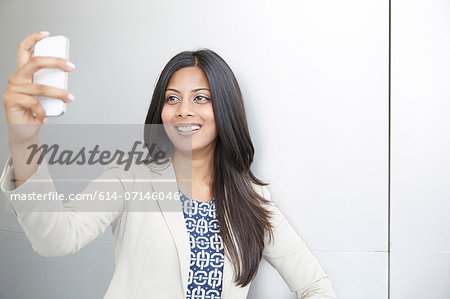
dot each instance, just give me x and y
(187, 114)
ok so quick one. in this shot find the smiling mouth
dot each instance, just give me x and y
(187, 128)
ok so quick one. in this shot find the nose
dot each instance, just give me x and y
(186, 107)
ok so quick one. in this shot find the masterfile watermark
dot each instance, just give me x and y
(105, 157)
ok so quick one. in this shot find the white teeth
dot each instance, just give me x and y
(188, 128)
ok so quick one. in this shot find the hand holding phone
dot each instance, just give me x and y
(22, 106)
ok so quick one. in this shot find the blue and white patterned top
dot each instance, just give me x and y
(206, 264)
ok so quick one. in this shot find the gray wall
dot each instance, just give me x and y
(315, 78)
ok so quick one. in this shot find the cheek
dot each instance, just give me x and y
(165, 114)
(208, 113)
(209, 117)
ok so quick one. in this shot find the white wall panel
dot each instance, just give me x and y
(319, 112)
(420, 126)
(420, 275)
(420, 167)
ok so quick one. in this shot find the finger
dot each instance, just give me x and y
(24, 75)
(20, 102)
(25, 46)
(43, 90)
(38, 110)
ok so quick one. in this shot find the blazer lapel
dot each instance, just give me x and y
(166, 183)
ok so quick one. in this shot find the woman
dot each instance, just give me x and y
(167, 254)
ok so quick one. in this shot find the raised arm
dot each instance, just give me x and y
(52, 228)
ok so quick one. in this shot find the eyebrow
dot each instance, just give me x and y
(194, 90)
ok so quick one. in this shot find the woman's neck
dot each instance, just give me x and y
(194, 172)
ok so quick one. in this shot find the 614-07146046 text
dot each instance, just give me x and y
(97, 195)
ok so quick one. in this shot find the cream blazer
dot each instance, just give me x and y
(151, 248)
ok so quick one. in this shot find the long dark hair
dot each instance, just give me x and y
(239, 208)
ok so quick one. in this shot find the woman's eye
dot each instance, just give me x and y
(172, 100)
(201, 99)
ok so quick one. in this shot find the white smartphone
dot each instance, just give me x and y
(55, 46)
